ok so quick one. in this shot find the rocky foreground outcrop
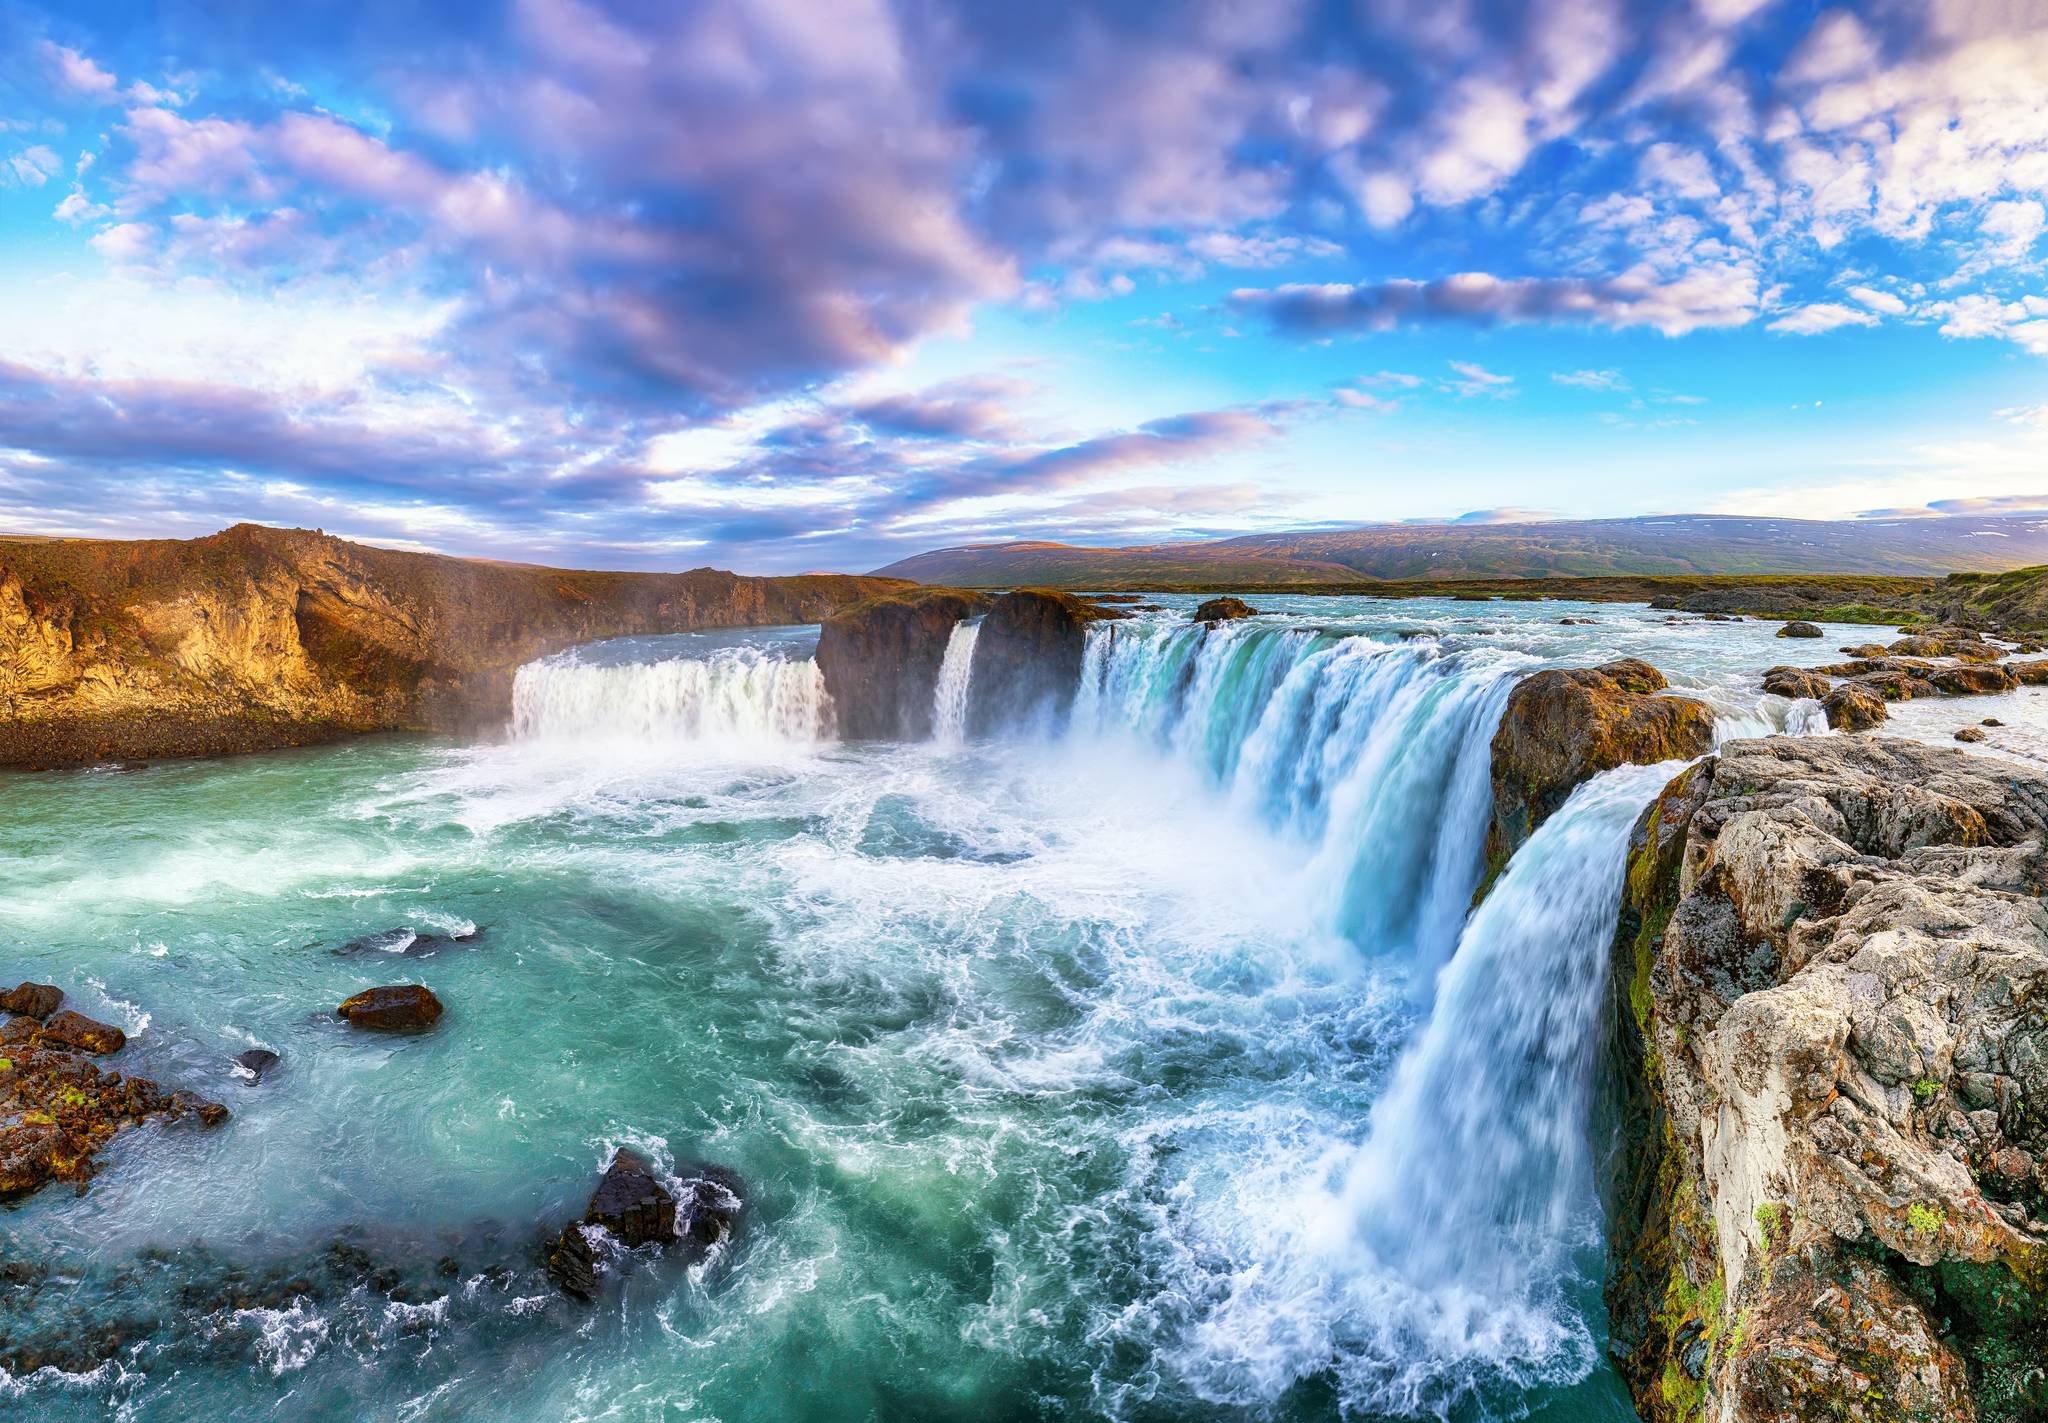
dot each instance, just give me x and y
(880, 659)
(256, 637)
(1563, 726)
(57, 1109)
(1829, 1066)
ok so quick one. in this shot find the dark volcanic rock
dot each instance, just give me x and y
(257, 1061)
(632, 1208)
(395, 1008)
(631, 1204)
(1218, 610)
(880, 659)
(1852, 707)
(1795, 682)
(1563, 726)
(33, 1000)
(1027, 659)
(1800, 629)
(79, 1033)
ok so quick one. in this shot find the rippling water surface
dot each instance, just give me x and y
(1146, 1069)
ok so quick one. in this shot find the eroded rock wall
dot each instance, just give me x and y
(1828, 1193)
(258, 637)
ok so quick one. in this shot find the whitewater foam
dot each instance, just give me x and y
(735, 694)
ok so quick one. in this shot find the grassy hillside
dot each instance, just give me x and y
(1672, 545)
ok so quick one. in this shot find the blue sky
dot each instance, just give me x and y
(797, 284)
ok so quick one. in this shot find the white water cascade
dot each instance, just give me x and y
(1456, 1251)
(736, 694)
(956, 671)
(1374, 756)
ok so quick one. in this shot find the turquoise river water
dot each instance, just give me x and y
(1150, 1067)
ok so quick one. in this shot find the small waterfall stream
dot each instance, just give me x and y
(956, 671)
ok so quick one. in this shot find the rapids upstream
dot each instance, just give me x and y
(1154, 1067)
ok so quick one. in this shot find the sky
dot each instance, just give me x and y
(817, 284)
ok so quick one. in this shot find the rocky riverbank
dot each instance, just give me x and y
(1828, 1193)
(255, 638)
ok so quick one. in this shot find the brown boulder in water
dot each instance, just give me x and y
(33, 1000)
(67, 1029)
(1852, 707)
(1795, 682)
(1800, 629)
(395, 1008)
(1221, 610)
(632, 1208)
(57, 1110)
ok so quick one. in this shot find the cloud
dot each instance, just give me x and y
(1473, 379)
(77, 73)
(1879, 301)
(1822, 316)
(1707, 297)
(1592, 380)
(1356, 399)
(124, 241)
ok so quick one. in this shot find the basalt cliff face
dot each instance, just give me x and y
(256, 637)
(1829, 1072)
(881, 658)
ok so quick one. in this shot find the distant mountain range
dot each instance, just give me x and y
(1668, 544)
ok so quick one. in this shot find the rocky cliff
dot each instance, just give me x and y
(255, 637)
(1829, 1063)
(881, 656)
(1027, 661)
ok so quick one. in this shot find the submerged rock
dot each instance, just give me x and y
(1564, 726)
(395, 1008)
(256, 1061)
(407, 942)
(1827, 1076)
(32, 1000)
(1800, 629)
(1027, 659)
(1218, 610)
(632, 1208)
(880, 659)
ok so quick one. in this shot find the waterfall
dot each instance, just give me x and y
(1374, 756)
(956, 671)
(735, 694)
(1455, 1253)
